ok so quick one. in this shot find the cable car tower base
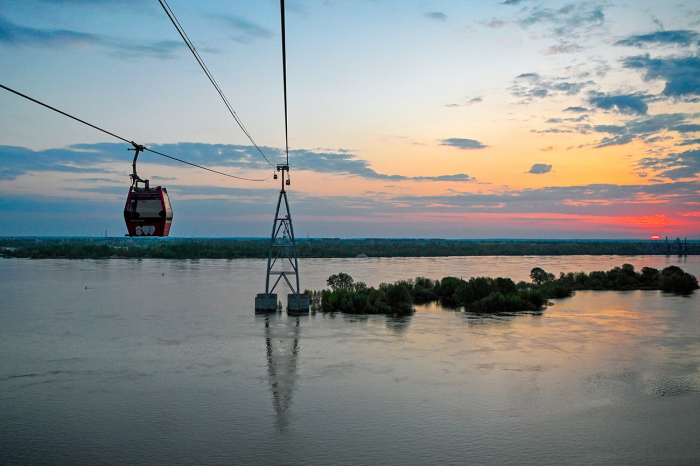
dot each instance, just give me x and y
(283, 254)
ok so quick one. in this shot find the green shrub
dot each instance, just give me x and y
(650, 277)
(505, 286)
(481, 287)
(447, 289)
(675, 280)
(534, 297)
(559, 290)
(399, 299)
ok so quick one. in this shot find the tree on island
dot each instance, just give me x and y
(341, 281)
(540, 277)
(675, 280)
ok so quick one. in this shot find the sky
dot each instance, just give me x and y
(439, 119)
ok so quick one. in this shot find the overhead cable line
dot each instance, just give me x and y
(126, 140)
(284, 77)
(63, 113)
(192, 48)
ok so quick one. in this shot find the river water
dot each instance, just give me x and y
(165, 362)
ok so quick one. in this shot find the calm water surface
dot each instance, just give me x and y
(164, 362)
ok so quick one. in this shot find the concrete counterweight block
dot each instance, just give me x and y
(297, 305)
(266, 303)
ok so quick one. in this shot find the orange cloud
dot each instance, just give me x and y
(546, 220)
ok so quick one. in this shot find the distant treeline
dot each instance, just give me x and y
(492, 295)
(81, 249)
(174, 248)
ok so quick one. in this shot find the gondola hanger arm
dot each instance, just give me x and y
(135, 179)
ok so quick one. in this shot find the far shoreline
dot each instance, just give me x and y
(257, 248)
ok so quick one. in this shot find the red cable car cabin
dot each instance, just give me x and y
(148, 211)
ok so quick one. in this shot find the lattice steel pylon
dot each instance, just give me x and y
(283, 254)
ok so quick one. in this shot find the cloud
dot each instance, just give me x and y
(16, 35)
(163, 49)
(512, 2)
(540, 169)
(687, 128)
(674, 166)
(348, 164)
(646, 128)
(595, 199)
(457, 177)
(460, 143)
(593, 66)
(467, 103)
(495, 23)
(246, 31)
(551, 130)
(218, 191)
(576, 109)
(615, 141)
(598, 209)
(530, 86)
(13, 34)
(682, 74)
(90, 215)
(436, 16)
(689, 142)
(95, 2)
(562, 120)
(602, 199)
(93, 158)
(246, 157)
(630, 104)
(611, 129)
(569, 88)
(681, 38)
(568, 19)
(223, 155)
(136, 5)
(16, 161)
(563, 48)
(649, 128)
(656, 123)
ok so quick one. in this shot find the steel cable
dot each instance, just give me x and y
(284, 78)
(126, 140)
(190, 45)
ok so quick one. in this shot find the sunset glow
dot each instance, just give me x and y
(406, 119)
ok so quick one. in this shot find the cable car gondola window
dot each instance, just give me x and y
(147, 208)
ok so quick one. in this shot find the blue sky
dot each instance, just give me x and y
(456, 119)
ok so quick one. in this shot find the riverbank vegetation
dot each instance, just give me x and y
(490, 295)
(186, 248)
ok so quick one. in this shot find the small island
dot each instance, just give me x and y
(490, 295)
